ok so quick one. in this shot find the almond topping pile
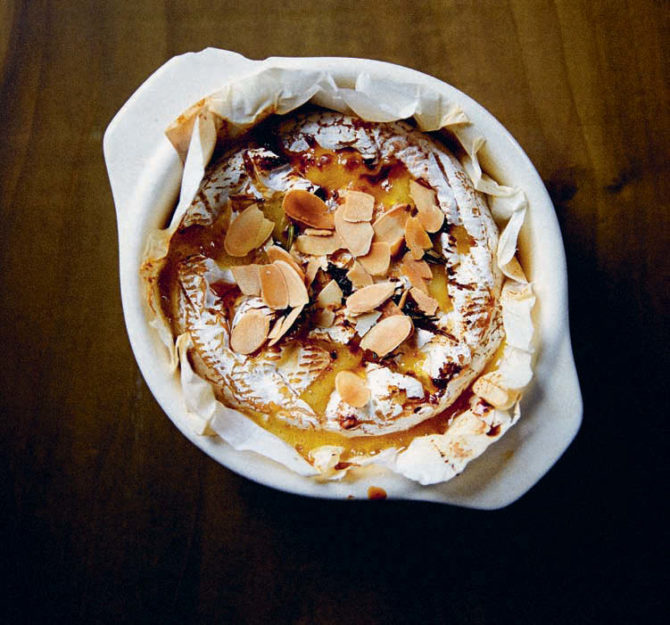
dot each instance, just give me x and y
(358, 276)
(330, 296)
(273, 287)
(390, 227)
(417, 271)
(429, 213)
(275, 252)
(308, 209)
(370, 297)
(426, 303)
(318, 245)
(358, 206)
(390, 332)
(357, 236)
(247, 279)
(352, 389)
(247, 232)
(346, 230)
(376, 261)
(417, 238)
(250, 332)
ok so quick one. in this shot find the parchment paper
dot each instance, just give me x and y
(226, 114)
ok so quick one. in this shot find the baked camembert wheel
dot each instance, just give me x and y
(337, 278)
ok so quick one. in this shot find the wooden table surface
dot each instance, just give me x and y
(111, 516)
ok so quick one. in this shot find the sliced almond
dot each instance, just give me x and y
(402, 300)
(250, 332)
(357, 237)
(390, 227)
(308, 209)
(411, 268)
(264, 231)
(295, 283)
(319, 246)
(275, 252)
(358, 276)
(429, 213)
(324, 318)
(273, 287)
(358, 206)
(315, 232)
(247, 278)
(377, 260)
(313, 266)
(426, 303)
(416, 238)
(244, 232)
(370, 297)
(421, 266)
(330, 296)
(352, 389)
(387, 334)
(488, 387)
(275, 331)
(286, 324)
(365, 322)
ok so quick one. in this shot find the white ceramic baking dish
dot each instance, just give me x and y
(145, 173)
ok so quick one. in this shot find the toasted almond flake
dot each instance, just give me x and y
(377, 260)
(426, 303)
(275, 252)
(421, 266)
(416, 238)
(358, 206)
(313, 266)
(324, 318)
(318, 246)
(276, 329)
(365, 322)
(273, 287)
(250, 332)
(387, 334)
(403, 299)
(369, 297)
(429, 213)
(308, 209)
(410, 268)
(264, 231)
(357, 237)
(286, 324)
(245, 230)
(489, 388)
(246, 277)
(330, 296)
(297, 292)
(358, 276)
(352, 389)
(315, 232)
(390, 227)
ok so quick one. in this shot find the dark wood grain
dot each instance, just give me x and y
(110, 515)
